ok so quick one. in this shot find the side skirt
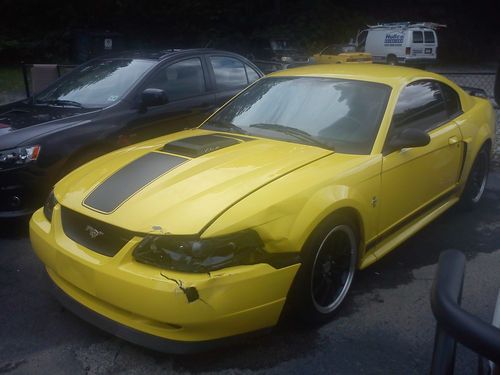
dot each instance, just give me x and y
(400, 232)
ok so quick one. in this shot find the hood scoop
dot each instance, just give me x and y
(199, 145)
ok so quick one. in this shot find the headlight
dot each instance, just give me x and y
(189, 254)
(286, 59)
(18, 156)
(49, 205)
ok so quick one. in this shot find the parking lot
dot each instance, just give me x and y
(385, 327)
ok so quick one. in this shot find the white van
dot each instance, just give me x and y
(400, 43)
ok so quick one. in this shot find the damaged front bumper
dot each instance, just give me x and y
(164, 310)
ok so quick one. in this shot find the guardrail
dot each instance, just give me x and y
(455, 324)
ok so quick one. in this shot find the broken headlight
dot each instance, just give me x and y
(49, 205)
(189, 254)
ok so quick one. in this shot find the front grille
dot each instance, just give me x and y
(103, 238)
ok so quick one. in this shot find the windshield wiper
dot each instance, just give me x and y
(294, 132)
(60, 102)
(224, 125)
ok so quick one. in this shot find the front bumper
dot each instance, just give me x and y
(145, 305)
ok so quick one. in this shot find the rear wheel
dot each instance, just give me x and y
(392, 60)
(325, 277)
(476, 183)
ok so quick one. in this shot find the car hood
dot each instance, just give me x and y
(182, 187)
(21, 121)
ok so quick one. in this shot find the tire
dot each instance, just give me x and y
(330, 258)
(476, 182)
(392, 60)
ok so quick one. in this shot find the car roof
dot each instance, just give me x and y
(161, 54)
(390, 75)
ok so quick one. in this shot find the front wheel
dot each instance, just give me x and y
(476, 183)
(325, 277)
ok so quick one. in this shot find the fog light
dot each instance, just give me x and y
(15, 201)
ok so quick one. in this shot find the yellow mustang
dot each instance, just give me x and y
(279, 197)
(341, 53)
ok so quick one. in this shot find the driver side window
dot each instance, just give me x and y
(180, 80)
(420, 105)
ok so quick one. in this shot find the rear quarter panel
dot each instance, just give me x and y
(477, 125)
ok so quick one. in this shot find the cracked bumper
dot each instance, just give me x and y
(135, 302)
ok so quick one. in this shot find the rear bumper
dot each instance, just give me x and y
(145, 305)
(417, 61)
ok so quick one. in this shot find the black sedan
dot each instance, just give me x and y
(105, 104)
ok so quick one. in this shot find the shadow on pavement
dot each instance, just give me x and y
(14, 228)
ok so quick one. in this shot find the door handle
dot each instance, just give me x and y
(453, 140)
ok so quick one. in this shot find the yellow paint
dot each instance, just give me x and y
(281, 190)
(343, 58)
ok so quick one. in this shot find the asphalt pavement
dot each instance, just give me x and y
(385, 327)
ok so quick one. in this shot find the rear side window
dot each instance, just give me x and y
(429, 37)
(452, 101)
(420, 105)
(251, 74)
(418, 37)
(229, 73)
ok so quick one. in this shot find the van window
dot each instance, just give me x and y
(429, 37)
(361, 40)
(418, 37)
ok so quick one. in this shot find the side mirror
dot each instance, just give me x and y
(153, 97)
(410, 137)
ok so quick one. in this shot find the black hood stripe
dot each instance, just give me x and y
(127, 181)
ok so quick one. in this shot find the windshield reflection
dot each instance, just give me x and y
(344, 114)
(96, 85)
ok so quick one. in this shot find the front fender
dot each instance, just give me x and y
(286, 211)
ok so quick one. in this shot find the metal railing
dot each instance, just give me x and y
(455, 324)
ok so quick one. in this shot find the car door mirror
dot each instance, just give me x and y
(152, 97)
(410, 137)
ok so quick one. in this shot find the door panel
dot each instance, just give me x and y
(169, 118)
(414, 177)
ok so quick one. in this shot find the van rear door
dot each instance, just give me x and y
(430, 44)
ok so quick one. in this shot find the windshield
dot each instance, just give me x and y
(339, 114)
(95, 85)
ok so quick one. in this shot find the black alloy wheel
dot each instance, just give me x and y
(329, 262)
(333, 269)
(476, 183)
